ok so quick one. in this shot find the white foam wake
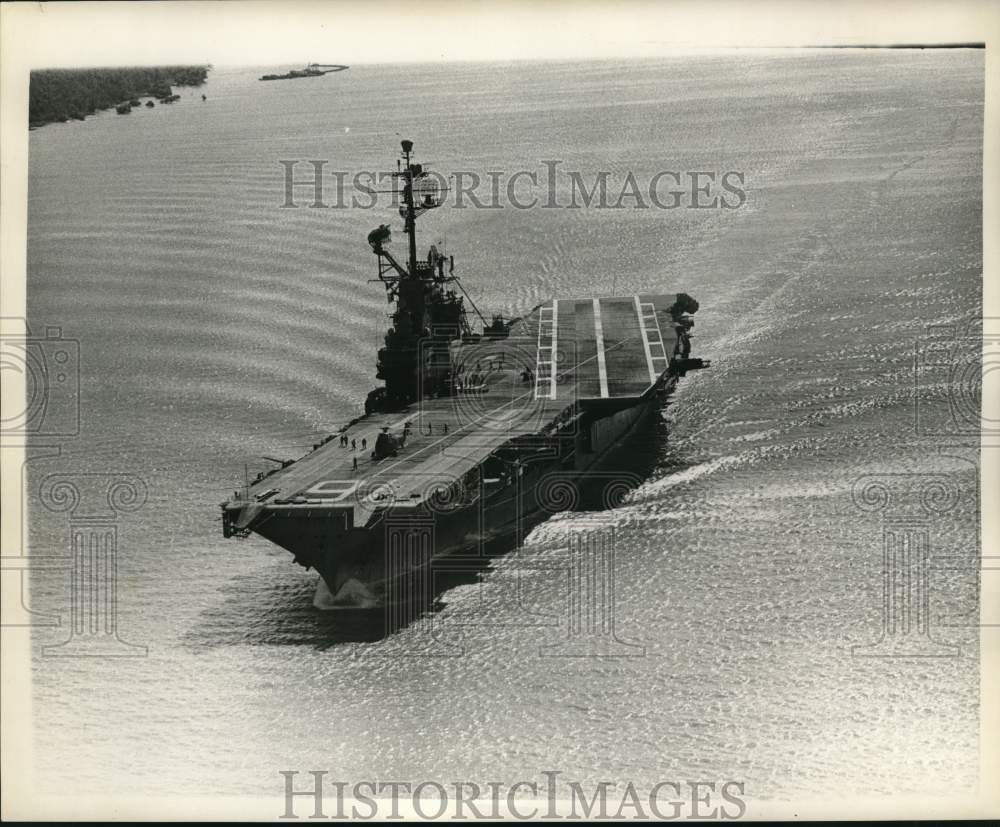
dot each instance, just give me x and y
(695, 472)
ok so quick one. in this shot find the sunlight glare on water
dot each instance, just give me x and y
(216, 328)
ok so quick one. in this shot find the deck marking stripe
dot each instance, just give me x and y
(555, 351)
(602, 367)
(645, 340)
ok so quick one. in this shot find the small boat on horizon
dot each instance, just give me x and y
(312, 70)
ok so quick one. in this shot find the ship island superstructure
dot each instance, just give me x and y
(478, 430)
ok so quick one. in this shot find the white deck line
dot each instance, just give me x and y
(602, 367)
(555, 349)
(645, 340)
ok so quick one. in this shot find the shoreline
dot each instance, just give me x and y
(61, 95)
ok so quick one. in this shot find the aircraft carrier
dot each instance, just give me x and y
(479, 429)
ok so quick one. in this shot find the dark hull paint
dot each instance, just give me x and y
(369, 566)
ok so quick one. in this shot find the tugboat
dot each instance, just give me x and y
(477, 430)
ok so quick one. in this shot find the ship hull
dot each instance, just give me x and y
(512, 428)
(389, 559)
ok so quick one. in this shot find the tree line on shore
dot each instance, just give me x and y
(56, 95)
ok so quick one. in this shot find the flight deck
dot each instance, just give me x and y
(568, 351)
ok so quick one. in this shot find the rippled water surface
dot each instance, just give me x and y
(216, 327)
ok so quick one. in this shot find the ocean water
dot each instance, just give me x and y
(216, 327)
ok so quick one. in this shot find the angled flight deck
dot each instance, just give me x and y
(576, 350)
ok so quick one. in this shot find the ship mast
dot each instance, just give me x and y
(429, 314)
(410, 217)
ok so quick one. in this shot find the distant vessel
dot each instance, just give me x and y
(311, 71)
(475, 431)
